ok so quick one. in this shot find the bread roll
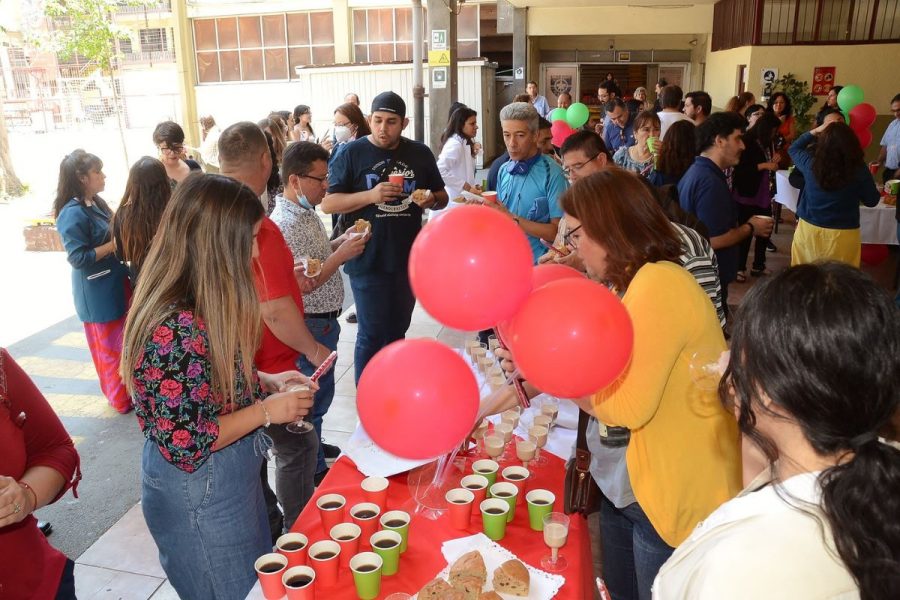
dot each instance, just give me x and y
(470, 564)
(512, 578)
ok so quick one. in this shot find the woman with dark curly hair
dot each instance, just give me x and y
(812, 379)
(676, 154)
(837, 181)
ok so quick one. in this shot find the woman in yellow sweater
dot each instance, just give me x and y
(683, 455)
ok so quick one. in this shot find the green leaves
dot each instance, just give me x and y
(801, 100)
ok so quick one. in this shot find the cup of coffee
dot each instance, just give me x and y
(299, 583)
(269, 568)
(365, 514)
(324, 557)
(487, 469)
(367, 571)
(493, 518)
(396, 179)
(518, 476)
(508, 493)
(489, 196)
(386, 544)
(375, 490)
(331, 510)
(397, 520)
(347, 536)
(293, 546)
(540, 504)
(478, 485)
(460, 501)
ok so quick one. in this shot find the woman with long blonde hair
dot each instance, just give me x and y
(187, 362)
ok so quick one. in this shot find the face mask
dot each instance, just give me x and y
(305, 203)
(341, 134)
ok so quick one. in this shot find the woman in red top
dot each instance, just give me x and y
(38, 463)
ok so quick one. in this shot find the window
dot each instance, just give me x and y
(154, 40)
(125, 46)
(262, 47)
(467, 31)
(382, 34)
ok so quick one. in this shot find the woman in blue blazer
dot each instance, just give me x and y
(99, 280)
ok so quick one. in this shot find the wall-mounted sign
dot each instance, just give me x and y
(823, 80)
(438, 58)
(624, 56)
(438, 78)
(519, 73)
(768, 76)
(438, 39)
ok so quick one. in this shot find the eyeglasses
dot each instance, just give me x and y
(579, 166)
(319, 179)
(174, 148)
(571, 242)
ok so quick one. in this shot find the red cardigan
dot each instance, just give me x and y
(30, 435)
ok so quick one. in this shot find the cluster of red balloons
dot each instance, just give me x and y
(472, 270)
(861, 114)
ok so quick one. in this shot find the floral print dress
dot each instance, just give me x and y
(173, 398)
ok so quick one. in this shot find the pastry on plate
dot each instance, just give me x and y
(362, 226)
(512, 578)
(470, 564)
(313, 267)
(439, 589)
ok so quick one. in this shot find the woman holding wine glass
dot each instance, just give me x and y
(188, 363)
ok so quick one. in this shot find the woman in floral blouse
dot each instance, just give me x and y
(188, 364)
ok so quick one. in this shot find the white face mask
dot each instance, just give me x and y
(341, 134)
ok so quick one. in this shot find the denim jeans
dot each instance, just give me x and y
(326, 332)
(210, 525)
(295, 469)
(384, 306)
(633, 552)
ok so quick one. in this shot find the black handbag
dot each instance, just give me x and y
(580, 491)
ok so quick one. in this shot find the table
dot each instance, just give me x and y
(877, 224)
(423, 559)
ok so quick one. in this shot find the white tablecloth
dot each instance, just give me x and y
(877, 225)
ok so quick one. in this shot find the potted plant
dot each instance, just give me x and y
(801, 100)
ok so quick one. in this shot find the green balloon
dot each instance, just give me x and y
(558, 114)
(577, 115)
(849, 97)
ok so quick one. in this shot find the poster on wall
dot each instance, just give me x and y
(559, 80)
(768, 77)
(823, 80)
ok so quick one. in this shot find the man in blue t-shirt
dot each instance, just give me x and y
(618, 130)
(703, 192)
(530, 184)
(359, 188)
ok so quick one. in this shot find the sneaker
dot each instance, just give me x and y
(331, 452)
(320, 476)
(351, 318)
(770, 247)
(45, 527)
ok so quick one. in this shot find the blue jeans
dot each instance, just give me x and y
(326, 332)
(632, 551)
(209, 525)
(384, 306)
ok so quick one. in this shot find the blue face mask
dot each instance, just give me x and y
(305, 203)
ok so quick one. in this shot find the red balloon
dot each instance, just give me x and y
(873, 254)
(561, 131)
(862, 115)
(544, 274)
(571, 338)
(417, 398)
(471, 268)
(864, 136)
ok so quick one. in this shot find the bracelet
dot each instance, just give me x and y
(752, 228)
(33, 494)
(266, 412)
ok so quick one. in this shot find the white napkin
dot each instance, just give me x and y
(374, 461)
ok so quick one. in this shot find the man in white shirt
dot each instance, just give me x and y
(889, 155)
(670, 99)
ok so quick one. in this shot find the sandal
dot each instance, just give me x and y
(741, 277)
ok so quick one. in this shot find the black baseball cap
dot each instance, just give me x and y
(389, 102)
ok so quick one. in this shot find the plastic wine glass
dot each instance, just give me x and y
(525, 450)
(494, 445)
(550, 407)
(301, 425)
(704, 368)
(538, 435)
(556, 531)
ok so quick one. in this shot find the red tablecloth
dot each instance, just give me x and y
(423, 559)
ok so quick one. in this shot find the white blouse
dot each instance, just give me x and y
(457, 166)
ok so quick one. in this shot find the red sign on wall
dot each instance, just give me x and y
(823, 80)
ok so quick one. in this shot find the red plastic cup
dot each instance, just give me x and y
(873, 168)
(368, 524)
(296, 556)
(459, 503)
(269, 568)
(333, 512)
(347, 536)
(518, 476)
(396, 180)
(489, 196)
(375, 490)
(324, 558)
(478, 485)
(299, 590)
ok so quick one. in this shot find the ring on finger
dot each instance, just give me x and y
(16, 508)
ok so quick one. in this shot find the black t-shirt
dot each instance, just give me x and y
(394, 224)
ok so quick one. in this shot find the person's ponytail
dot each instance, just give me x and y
(861, 501)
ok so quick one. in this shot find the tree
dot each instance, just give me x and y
(92, 33)
(801, 100)
(10, 184)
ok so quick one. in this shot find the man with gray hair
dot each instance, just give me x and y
(530, 184)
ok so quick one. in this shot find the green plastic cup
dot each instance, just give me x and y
(367, 569)
(386, 544)
(493, 518)
(509, 493)
(652, 143)
(540, 504)
(397, 520)
(487, 469)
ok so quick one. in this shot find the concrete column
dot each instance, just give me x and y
(343, 45)
(184, 63)
(439, 100)
(520, 47)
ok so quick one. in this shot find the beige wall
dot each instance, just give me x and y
(697, 18)
(721, 73)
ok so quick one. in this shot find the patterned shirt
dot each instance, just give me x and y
(173, 399)
(305, 235)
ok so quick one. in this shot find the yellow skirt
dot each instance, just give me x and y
(812, 243)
